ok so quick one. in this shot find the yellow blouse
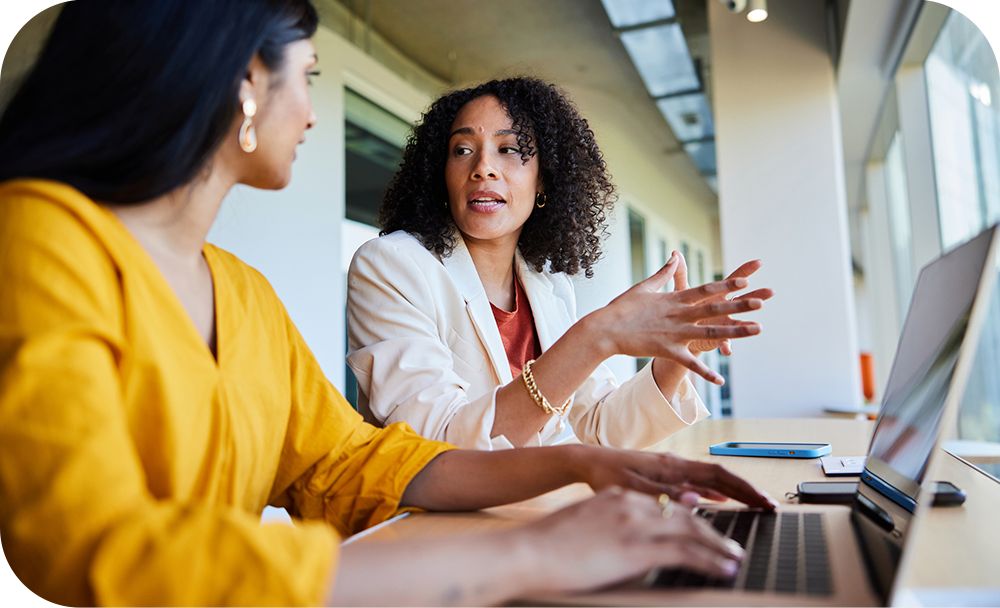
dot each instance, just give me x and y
(134, 465)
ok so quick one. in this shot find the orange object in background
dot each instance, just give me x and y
(868, 377)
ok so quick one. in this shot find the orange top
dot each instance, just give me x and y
(134, 465)
(517, 331)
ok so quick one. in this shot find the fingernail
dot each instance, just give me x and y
(735, 549)
(730, 567)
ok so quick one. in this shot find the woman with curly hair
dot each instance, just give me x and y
(501, 195)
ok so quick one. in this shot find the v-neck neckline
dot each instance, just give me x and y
(207, 254)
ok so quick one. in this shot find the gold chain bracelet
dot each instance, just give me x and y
(537, 396)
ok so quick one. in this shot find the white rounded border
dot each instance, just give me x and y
(15, 13)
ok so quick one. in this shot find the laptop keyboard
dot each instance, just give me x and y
(786, 553)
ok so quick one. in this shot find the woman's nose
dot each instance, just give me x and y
(483, 168)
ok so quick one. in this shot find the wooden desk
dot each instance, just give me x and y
(957, 547)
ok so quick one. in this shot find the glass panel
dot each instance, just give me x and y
(624, 13)
(979, 416)
(637, 245)
(661, 56)
(963, 90)
(703, 155)
(373, 142)
(688, 115)
(637, 249)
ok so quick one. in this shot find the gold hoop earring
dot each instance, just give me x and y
(248, 134)
(541, 197)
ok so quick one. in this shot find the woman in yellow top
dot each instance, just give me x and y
(155, 396)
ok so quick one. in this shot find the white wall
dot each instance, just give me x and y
(782, 199)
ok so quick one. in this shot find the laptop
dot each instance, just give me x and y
(819, 555)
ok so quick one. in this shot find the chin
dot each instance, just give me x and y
(270, 181)
(485, 233)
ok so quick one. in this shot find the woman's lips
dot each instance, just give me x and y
(486, 201)
(483, 206)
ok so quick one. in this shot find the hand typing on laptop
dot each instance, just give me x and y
(633, 533)
(682, 479)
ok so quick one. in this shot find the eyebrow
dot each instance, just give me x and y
(468, 131)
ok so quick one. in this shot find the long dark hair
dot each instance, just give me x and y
(128, 99)
(566, 234)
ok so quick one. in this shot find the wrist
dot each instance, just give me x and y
(573, 463)
(668, 376)
(592, 331)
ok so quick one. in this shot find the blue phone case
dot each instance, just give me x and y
(787, 450)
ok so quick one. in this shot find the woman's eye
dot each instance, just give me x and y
(462, 151)
(510, 150)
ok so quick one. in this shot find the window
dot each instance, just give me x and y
(637, 245)
(637, 253)
(963, 90)
(373, 142)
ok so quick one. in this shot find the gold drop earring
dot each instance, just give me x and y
(541, 199)
(248, 134)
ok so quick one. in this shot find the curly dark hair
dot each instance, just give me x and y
(567, 232)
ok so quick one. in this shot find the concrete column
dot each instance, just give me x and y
(782, 199)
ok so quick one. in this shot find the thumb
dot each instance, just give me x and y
(661, 277)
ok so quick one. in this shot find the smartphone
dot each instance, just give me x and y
(842, 492)
(947, 494)
(828, 492)
(770, 449)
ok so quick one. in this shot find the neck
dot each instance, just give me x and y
(174, 226)
(494, 261)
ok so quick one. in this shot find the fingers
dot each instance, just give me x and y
(726, 348)
(681, 277)
(758, 294)
(720, 332)
(643, 533)
(746, 269)
(661, 277)
(716, 477)
(709, 290)
(687, 540)
(697, 366)
(723, 308)
(708, 562)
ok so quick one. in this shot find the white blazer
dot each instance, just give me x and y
(426, 350)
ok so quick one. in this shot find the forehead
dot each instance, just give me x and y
(300, 50)
(482, 114)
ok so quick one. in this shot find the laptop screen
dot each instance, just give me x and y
(909, 425)
(929, 345)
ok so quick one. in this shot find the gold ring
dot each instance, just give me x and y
(666, 506)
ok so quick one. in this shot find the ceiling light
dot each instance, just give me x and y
(756, 11)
